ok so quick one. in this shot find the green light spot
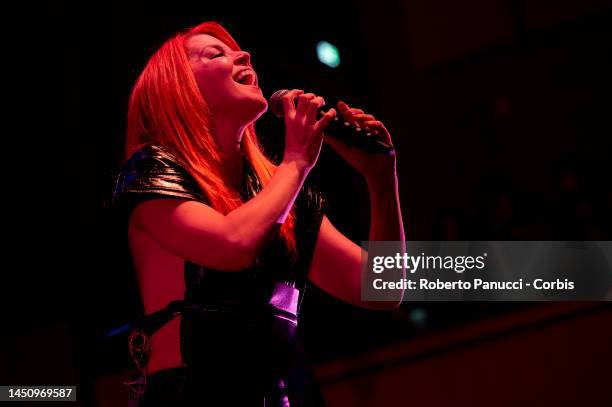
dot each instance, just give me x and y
(328, 54)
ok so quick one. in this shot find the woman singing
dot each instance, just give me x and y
(212, 221)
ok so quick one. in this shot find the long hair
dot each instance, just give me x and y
(167, 108)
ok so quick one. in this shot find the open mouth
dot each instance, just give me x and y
(246, 77)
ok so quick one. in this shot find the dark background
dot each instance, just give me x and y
(500, 111)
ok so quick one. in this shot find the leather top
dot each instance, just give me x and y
(154, 172)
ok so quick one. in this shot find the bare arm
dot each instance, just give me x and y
(336, 265)
(200, 234)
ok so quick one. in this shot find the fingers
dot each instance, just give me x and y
(313, 108)
(377, 127)
(352, 115)
(343, 108)
(288, 102)
(308, 106)
(377, 124)
(325, 120)
(303, 103)
(360, 119)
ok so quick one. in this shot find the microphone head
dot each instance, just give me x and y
(276, 102)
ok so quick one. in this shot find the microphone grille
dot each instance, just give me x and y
(276, 102)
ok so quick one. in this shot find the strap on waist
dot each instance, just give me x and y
(283, 303)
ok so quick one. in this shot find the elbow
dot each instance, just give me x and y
(240, 263)
(241, 253)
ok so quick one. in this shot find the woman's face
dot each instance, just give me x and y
(226, 79)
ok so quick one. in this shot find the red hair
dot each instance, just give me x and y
(167, 108)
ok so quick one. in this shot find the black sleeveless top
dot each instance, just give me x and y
(211, 340)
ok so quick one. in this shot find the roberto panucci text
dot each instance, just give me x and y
(454, 264)
(475, 284)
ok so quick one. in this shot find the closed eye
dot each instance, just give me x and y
(220, 54)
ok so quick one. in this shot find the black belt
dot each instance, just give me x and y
(283, 303)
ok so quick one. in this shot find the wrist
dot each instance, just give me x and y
(384, 174)
(294, 166)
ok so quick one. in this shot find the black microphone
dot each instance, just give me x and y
(352, 135)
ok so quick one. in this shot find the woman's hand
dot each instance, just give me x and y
(304, 133)
(370, 165)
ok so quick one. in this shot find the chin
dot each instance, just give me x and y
(253, 106)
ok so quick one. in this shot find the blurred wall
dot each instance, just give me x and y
(542, 357)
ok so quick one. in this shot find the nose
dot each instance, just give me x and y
(242, 58)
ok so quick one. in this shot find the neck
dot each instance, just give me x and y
(229, 135)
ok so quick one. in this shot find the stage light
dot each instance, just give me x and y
(328, 54)
(419, 318)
